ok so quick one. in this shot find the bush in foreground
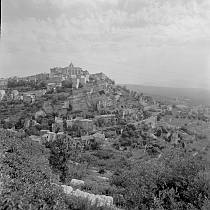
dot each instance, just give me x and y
(176, 181)
(27, 180)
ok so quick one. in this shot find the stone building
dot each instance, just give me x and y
(28, 98)
(2, 94)
(3, 83)
(75, 74)
(75, 82)
(83, 80)
(49, 136)
(14, 94)
(67, 72)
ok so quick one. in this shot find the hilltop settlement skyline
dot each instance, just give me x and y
(78, 76)
(57, 74)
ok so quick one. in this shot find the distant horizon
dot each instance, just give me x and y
(196, 95)
(198, 88)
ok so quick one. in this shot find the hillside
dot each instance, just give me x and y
(197, 96)
(97, 145)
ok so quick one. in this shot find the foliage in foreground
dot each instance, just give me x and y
(27, 178)
(175, 181)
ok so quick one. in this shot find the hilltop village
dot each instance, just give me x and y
(94, 128)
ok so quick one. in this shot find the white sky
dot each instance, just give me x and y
(149, 42)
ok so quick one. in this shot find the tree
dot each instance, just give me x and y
(20, 123)
(61, 151)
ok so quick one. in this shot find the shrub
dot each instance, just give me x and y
(174, 181)
(87, 158)
(75, 172)
(102, 170)
(125, 142)
(27, 176)
(201, 136)
(61, 152)
(104, 154)
(101, 188)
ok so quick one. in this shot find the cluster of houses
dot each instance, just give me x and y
(27, 97)
(94, 125)
(108, 102)
(75, 75)
(75, 142)
(88, 125)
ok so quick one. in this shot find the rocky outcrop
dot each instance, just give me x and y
(98, 200)
(77, 182)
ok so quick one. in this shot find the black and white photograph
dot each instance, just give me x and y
(105, 105)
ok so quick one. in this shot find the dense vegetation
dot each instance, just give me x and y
(175, 181)
(27, 181)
